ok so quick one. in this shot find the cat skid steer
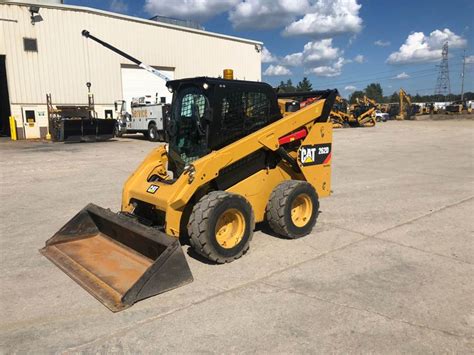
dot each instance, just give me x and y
(233, 158)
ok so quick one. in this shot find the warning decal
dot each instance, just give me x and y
(152, 189)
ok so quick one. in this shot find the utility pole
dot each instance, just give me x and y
(462, 75)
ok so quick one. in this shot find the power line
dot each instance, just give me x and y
(429, 71)
(368, 79)
(394, 70)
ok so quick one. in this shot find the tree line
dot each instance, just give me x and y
(303, 85)
(375, 92)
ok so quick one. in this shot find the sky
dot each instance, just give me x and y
(343, 44)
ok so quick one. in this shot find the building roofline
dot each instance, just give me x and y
(131, 18)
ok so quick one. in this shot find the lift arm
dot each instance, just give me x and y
(145, 66)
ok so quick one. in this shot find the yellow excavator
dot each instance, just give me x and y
(405, 106)
(339, 115)
(232, 159)
(363, 113)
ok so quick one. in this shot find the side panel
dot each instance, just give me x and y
(314, 157)
(258, 187)
(143, 115)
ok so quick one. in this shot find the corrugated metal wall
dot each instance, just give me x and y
(65, 60)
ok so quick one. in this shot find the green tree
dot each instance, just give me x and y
(289, 86)
(286, 87)
(304, 85)
(282, 86)
(394, 98)
(356, 95)
(374, 91)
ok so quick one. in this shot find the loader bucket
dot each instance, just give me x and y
(116, 259)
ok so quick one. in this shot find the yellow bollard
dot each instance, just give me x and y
(13, 128)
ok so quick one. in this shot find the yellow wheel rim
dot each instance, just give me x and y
(301, 210)
(230, 228)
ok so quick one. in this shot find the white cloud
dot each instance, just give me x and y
(359, 58)
(328, 18)
(401, 76)
(198, 10)
(331, 70)
(317, 18)
(118, 6)
(276, 70)
(470, 59)
(320, 51)
(318, 57)
(350, 88)
(314, 52)
(381, 43)
(266, 14)
(421, 48)
(267, 56)
(293, 60)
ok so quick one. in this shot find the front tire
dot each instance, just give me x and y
(293, 209)
(152, 133)
(221, 226)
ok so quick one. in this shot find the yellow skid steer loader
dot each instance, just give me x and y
(232, 159)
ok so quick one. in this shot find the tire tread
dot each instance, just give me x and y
(198, 224)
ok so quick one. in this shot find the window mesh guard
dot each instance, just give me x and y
(245, 112)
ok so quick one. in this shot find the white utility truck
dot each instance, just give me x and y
(146, 117)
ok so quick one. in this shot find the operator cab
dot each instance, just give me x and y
(210, 113)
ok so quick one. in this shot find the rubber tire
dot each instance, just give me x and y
(161, 136)
(203, 219)
(152, 133)
(278, 211)
(117, 133)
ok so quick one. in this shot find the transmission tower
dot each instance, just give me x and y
(443, 87)
(463, 74)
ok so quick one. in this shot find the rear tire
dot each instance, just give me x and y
(221, 226)
(161, 136)
(293, 209)
(118, 133)
(152, 133)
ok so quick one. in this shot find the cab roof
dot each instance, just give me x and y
(199, 81)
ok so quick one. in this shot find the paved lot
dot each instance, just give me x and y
(389, 266)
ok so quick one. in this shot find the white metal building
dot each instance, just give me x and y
(48, 54)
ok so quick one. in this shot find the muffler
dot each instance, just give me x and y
(117, 259)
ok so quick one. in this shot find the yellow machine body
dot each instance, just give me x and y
(173, 198)
(121, 258)
(405, 106)
(362, 113)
